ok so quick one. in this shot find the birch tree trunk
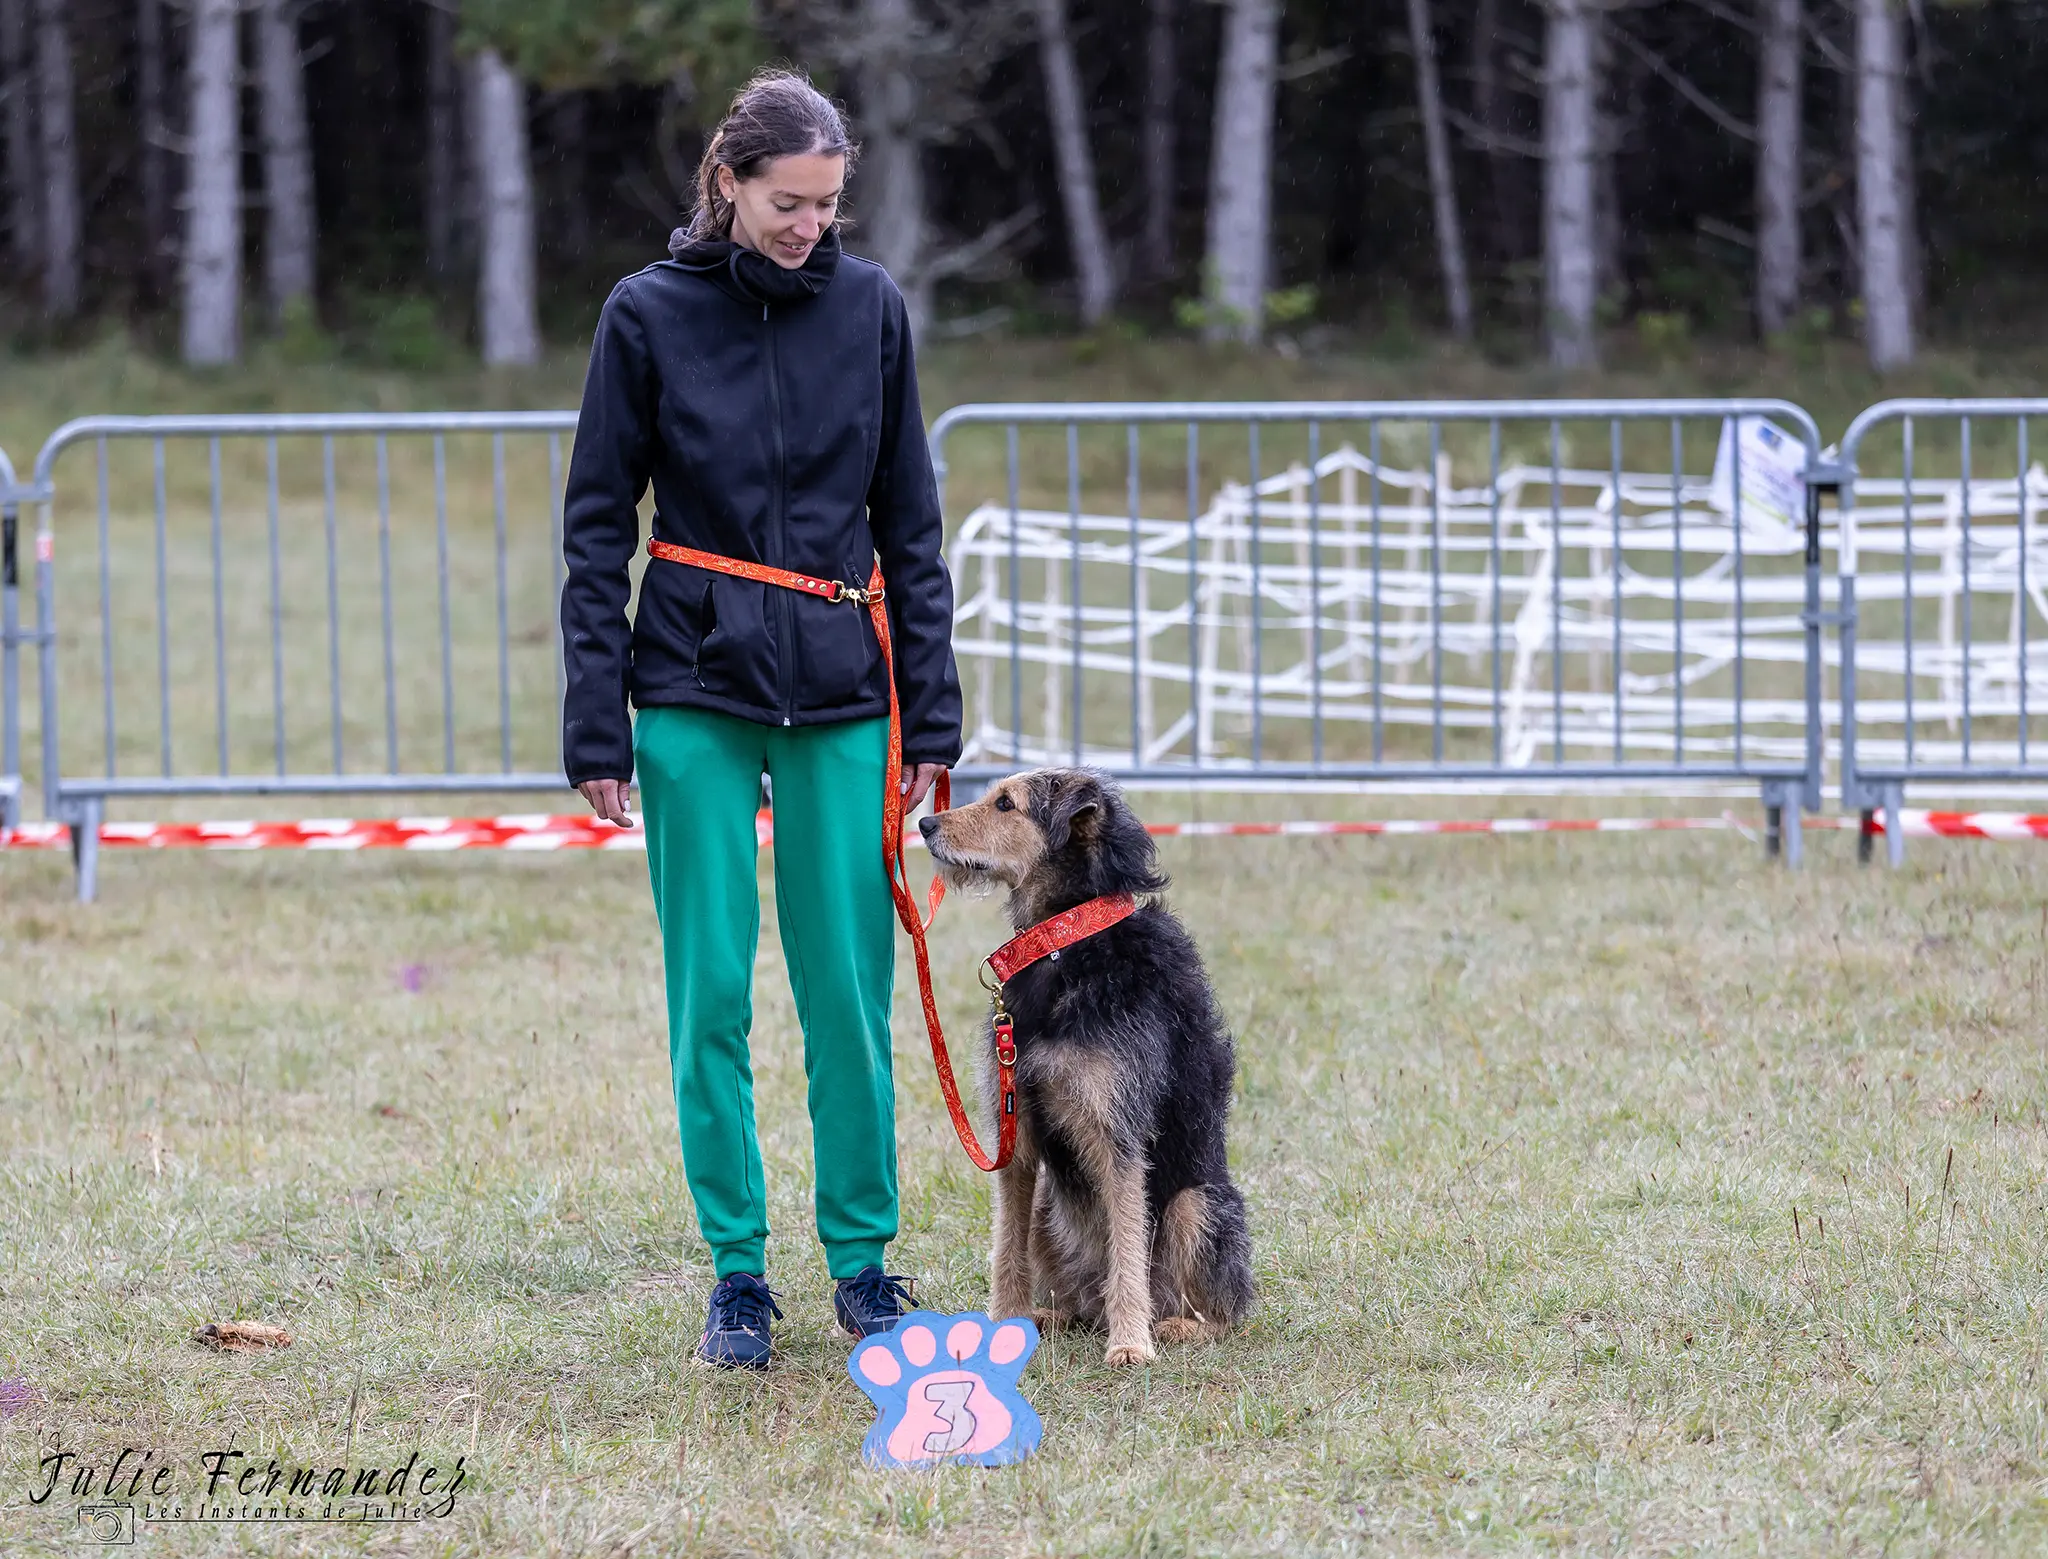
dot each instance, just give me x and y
(213, 187)
(1241, 171)
(1883, 184)
(60, 212)
(507, 304)
(290, 235)
(153, 157)
(24, 198)
(893, 221)
(1450, 237)
(1570, 131)
(1779, 100)
(1085, 235)
(1161, 78)
(444, 143)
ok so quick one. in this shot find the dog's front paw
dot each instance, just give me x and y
(1179, 1328)
(1123, 1355)
(1050, 1320)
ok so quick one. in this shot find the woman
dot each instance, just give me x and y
(763, 382)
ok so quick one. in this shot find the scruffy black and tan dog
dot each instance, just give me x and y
(1117, 1210)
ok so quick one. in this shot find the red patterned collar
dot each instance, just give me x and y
(1049, 936)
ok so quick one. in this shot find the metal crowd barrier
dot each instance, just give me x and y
(1442, 594)
(341, 604)
(1942, 604)
(11, 641)
(1561, 594)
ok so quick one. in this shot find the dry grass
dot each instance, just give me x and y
(1602, 1190)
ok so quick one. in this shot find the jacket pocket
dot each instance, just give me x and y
(737, 653)
(839, 658)
(669, 629)
(707, 620)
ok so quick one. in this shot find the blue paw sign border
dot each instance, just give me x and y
(945, 1390)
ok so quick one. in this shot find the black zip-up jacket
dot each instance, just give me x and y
(776, 414)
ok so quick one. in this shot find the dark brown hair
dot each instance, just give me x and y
(777, 114)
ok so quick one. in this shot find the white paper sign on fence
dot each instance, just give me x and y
(1773, 472)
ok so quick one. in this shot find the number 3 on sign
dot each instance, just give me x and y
(945, 1389)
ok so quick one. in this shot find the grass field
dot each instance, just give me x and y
(1609, 1195)
(1612, 1195)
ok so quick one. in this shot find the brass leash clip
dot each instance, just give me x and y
(1000, 1022)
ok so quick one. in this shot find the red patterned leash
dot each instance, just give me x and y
(892, 840)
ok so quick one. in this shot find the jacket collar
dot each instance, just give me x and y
(751, 276)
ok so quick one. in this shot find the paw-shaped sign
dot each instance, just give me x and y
(945, 1390)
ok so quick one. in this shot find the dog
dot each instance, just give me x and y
(1117, 1209)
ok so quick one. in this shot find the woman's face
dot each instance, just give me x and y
(784, 209)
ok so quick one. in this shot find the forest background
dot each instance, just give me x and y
(407, 182)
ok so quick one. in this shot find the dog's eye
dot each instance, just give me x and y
(1005, 804)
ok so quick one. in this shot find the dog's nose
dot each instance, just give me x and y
(928, 826)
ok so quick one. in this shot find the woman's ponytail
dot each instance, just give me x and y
(713, 216)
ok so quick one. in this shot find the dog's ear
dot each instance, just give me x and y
(1069, 799)
(1126, 858)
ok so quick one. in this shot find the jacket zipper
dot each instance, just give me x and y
(785, 669)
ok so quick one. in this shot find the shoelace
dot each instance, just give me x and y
(747, 1306)
(871, 1292)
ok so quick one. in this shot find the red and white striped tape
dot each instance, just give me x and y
(521, 832)
(541, 832)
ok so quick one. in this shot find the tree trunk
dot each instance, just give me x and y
(1450, 237)
(153, 159)
(572, 138)
(1570, 129)
(24, 197)
(507, 309)
(1241, 171)
(1506, 177)
(1161, 77)
(60, 213)
(1610, 275)
(1085, 235)
(1779, 119)
(893, 219)
(1883, 185)
(289, 234)
(213, 187)
(444, 144)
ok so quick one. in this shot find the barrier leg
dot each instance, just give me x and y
(1783, 836)
(85, 847)
(1866, 834)
(1894, 826)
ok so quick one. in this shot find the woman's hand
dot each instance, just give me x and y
(610, 799)
(918, 781)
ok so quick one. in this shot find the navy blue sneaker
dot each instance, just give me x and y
(871, 1301)
(736, 1330)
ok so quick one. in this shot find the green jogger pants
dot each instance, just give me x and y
(700, 785)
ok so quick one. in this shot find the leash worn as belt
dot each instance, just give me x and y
(892, 840)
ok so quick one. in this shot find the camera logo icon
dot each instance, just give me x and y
(108, 1523)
